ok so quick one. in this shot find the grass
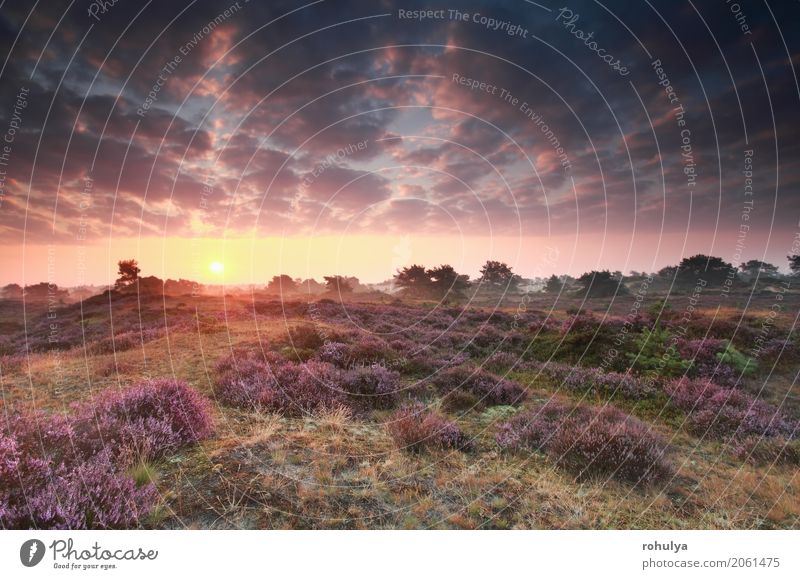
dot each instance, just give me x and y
(336, 469)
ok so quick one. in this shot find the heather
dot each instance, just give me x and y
(143, 423)
(590, 442)
(354, 414)
(290, 387)
(486, 388)
(719, 412)
(415, 428)
(71, 471)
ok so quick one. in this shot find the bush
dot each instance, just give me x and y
(488, 388)
(144, 422)
(720, 412)
(293, 388)
(590, 442)
(308, 387)
(766, 451)
(655, 351)
(244, 382)
(305, 337)
(414, 428)
(46, 482)
(594, 381)
(372, 386)
(716, 359)
(501, 362)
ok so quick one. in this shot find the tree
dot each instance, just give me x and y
(445, 280)
(128, 273)
(12, 291)
(498, 274)
(707, 267)
(45, 291)
(415, 280)
(337, 284)
(282, 284)
(667, 273)
(554, 284)
(600, 284)
(755, 267)
(794, 263)
(150, 286)
(180, 287)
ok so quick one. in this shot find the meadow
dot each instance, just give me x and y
(531, 411)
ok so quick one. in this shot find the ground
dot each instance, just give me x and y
(338, 468)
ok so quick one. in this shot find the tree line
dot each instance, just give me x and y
(417, 281)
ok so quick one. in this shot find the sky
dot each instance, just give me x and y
(355, 138)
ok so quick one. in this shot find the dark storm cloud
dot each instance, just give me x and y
(259, 106)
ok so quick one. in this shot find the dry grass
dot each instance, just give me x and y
(337, 470)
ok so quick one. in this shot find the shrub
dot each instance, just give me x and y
(716, 359)
(372, 386)
(294, 388)
(720, 412)
(244, 382)
(415, 428)
(766, 451)
(488, 388)
(308, 387)
(336, 353)
(590, 442)
(655, 351)
(305, 337)
(47, 483)
(501, 361)
(144, 422)
(595, 381)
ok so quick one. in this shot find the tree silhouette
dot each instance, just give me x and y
(755, 267)
(337, 284)
(597, 284)
(282, 284)
(128, 273)
(415, 280)
(794, 263)
(707, 267)
(499, 275)
(554, 284)
(445, 280)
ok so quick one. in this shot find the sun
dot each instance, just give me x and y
(216, 267)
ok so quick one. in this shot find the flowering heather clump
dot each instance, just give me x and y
(47, 482)
(363, 350)
(336, 353)
(581, 321)
(490, 389)
(722, 412)
(294, 388)
(590, 442)
(414, 428)
(595, 381)
(501, 361)
(305, 337)
(372, 386)
(716, 359)
(766, 451)
(581, 379)
(308, 387)
(487, 336)
(144, 422)
(244, 382)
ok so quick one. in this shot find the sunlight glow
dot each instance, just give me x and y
(216, 267)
